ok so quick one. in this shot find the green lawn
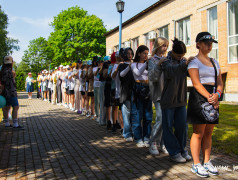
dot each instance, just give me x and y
(225, 134)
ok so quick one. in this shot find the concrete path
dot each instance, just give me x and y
(59, 144)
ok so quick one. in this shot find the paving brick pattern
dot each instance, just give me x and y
(59, 144)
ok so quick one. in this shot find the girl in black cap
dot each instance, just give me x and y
(202, 71)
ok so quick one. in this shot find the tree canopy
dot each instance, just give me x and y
(7, 45)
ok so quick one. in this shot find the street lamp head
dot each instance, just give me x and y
(120, 6)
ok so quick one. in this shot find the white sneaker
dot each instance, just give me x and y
(178, 158)
(147, 142)
(186, 156)
(76, 111)
(59, 104)
(199, 170)
(45, 100)
(88, 114)
(140, 143)
(164, 150)
(153, 149)
(129, 139)
(72, 109)
(97, 120)
(210, 168)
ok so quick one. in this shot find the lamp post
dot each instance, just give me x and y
(120, 8)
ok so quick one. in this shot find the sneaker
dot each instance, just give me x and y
(76, 111)
(140, 143)
(147, 142)
(114, 128)
(83, 113)
(19, 128)
(153, 149)
(129, 139)
(72, 109)
(121, 131)
(210, 168)
(186, 156)
(45, 100)
(164, 150)
(178, 158)
(88, 114)
(199, 170)
(79, 112)
(109, 125)
(97, 120)
(118, 125)
(10, 126)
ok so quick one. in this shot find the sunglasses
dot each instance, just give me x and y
(207, 37)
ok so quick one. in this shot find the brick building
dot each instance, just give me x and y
(185, 19)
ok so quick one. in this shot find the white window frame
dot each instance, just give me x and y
(133, 43)
(163, 27)
(228, 37)
(116, 48)
(145, 40)
(208, 24)
(177, 30)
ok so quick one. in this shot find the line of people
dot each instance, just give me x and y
(118, 92)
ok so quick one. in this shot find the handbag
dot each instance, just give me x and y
(199, 104)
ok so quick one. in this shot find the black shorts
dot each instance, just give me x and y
(67, 90)
(71, 92)
(91, 94)
(82, 93)
(114, 100)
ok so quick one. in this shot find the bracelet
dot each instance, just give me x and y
(218, 94)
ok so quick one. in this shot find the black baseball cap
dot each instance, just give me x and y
(206, 37)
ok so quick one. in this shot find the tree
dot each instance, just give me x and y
(76, 35)
(38, 56)
(7, 45)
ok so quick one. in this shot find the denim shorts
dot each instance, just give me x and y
(12, 101)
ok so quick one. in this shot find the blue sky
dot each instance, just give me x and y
(29, 19)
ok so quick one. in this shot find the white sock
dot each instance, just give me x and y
(15, 123)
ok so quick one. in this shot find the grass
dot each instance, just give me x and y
(225, 134)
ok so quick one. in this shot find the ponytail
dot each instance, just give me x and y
(178, 47)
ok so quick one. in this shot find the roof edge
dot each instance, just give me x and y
(136, 16)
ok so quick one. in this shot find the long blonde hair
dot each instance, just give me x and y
(159, 42)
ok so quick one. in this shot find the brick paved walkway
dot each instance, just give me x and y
(58, 144)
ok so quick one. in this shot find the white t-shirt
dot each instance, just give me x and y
(96, 78)
(139, 71)
(206, 73)
(117, 82)
(71, 81)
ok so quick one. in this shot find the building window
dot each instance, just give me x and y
(149, 41)
(184, 31)
(135, 44)
(164, 32)
(233, 31)
(213, 30)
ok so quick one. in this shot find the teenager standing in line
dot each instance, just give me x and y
(8, 90)
(90, 94)
(127, 83)
(102, 120)
(77, 93)
(156, 84)
(96, 86)
(141, 108)
(174, 101)
(202, 73)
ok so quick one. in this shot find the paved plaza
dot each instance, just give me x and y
(59, 144)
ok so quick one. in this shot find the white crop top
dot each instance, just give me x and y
(206, 73)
